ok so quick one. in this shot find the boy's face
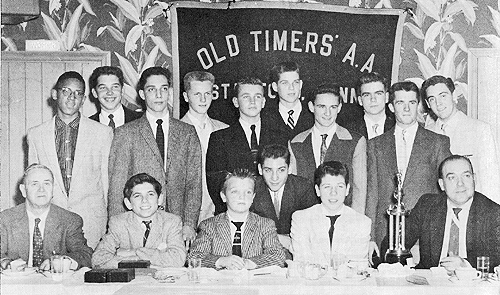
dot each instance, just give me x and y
(325, 108)
(288, 86)
(332, 192)
(250, 100)
(441, 101)
(239, 194)
(373, 97)
(69, 97)
(157, 94)
(405, 108)
(199, 96)
(109, 92)
(144, 200)
(274, 172)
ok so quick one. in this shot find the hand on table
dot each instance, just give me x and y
(45, 266)
(126, 253)
(145, 253)
(453, 262)
(372, 247)
(232, 262)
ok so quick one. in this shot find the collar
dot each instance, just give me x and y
(152, 218)
(330, 132)
(73, 124)
(42, 216)
(152, 119)
(453, 121)
(412, 130)
(246, 125)
(280, 191)
(380, 122)
(196, 122)
(465, 207)
(116, 113)
(244, 219)
(325, 212)
(297, 108)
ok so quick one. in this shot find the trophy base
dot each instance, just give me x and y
(395, 256)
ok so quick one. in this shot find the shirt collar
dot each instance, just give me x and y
(379, 122)
(42, 216)
(326, 213)
(453, 122)
(234, 219)
(73, 124)
(197, 122)
(330, 132)
(152, 119)
(297, 108)
(247, 125)
(412, 130)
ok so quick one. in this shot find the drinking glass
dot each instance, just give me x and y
(483, 265)
(194, 266)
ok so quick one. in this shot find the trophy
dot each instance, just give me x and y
(397, 251)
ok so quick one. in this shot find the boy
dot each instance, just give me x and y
(144, 232)
(238, 239)
(330, 228)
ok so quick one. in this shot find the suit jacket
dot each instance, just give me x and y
(311, 242)
(260, 242)
(427, 221)
(63, 235)
(126, 232)
(429, 149)
(134, 150)
(346, 147)
(229, 149)
(298, 194)
(359, 125)
(89, 182)
(273, 116)
(129, 115)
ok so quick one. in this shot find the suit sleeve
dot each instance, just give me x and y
(216, 169)
(192, 197)
(106, 146)
(372, 191)
(359, 176)
(272, 250)
(443, 150)
(76, 244)
(488, 172)
(293, 160)
(494, 239)
(299, 235)
(32, 152)
(202, 245)
(4, 238)
(120, 158)
(105, 253)
(174, 255)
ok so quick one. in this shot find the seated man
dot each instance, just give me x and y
(238, 239)
(440, 221)
(144, 232)
(36, 229)
(330, 228)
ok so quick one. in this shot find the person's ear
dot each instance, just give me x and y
(441, 184)
(223, 197)
(259, 167)
(339, 108)
(54, 94)
(141, 94)
(185, 96)
(318, 193)
(348, 188)
(391, 107)
(274, 85)
(311, 106)
(160, 199)
(127, 203)
(94, 93)
(235, 102)
(360, 101)
(22, 188)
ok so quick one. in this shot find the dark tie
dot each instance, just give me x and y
(253, 139)
(111, 121)
(37, 245)
(324, 148)
(146, 233)
(453, 246)
(237, 238)
(332, 226)
(160, 139)
(291, 122)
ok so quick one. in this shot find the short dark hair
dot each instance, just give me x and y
(103, 71)
(274, 151)
(453, 158)
(326, 88)
(407, 86)
(140, 179)
(153, 71)
(369, 78)
(33, 167)
(69, 75)
(436, 80)
(283, 67)
(246, 81)
(237, 173)
(333, 168)
(197, 76)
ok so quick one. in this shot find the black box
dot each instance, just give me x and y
(97, 276)
(134, 264)
(122, 275)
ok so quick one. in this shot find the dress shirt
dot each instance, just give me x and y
(370, 123)
(66, 136)
(403, 156)
(284, 112)
(165, 125)
(279, 196)
(118, 117)
(316, 141)
(462, 226)
(41, 227)
(203, 128)
(248, 131)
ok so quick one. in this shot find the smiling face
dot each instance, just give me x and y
(37, 188)
(157, 94)
(405, 108)
(238, 195)
(373, 97)
(441, 101)
(109, 92)
(288, 88)
(199, 96)
(332, 192)
(326, 106)
(274, 172)
(69, 98)
(250, 101)
(144, 200)
(458, 181)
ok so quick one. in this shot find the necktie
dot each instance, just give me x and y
(253, 139)
(453, 245)
(111, 121)
(332, 226)
(324, 148)
(404, 156)
(375, 131)
(160, 139)
(443, 128)
(276, 203)
(37, 245)
(291, 122)
(146, 233)
(237, 238)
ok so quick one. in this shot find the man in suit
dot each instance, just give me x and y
(289, 115)
(440, 221)
(106, 84)
(237, 146)
(372, 94)
(468, 136)
(35, 230)
(165, 148)
(279, 194)
(76, 149)
(328, 141)
(406, 148)
(198, 93)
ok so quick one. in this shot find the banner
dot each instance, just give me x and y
(330, 43)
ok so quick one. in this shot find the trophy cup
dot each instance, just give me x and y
(397, 214)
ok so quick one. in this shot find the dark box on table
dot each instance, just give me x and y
(104, 275)
(134, 264)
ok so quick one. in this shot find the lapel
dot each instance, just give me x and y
(389, 122)
(49, 144)
(248, 235)
(52, 234)
(437, 225)
(474, 224)
(306, 148)
(240, 139)
(174, 142)
(387, 152)
(224, 234)
(363, 129)
(81, 149)
(266, 200)
(21, 231)
(287, 200)
(418, 150)
(148, 136)
(320, 225)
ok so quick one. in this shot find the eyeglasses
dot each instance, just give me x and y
(67, 92)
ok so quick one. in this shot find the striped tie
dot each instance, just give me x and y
(146, 233)
(111, 121)
(291, 122)
(324, 148)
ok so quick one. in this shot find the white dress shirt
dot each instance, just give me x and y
(369, 123)
(118, 117)
(461, 222)
(165, 126)
(278, 195)
(248, 132)
(203, 128)
(317, 140)
(41, 227)
(284, 112)
(404, 148)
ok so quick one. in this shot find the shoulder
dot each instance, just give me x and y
(360, 218)
(167, 217)
(307, 213)
(301, 137)
(431, 200)
(39, 128)
(132, 126)
(432, 136)
(180, 126)
(486, 202)
(65, 216)
(95, 126)
(298, 181)
(262, 221)
(12, 213)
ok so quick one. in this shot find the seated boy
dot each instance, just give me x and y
(144, 233)
(330, 229)
(237, 238)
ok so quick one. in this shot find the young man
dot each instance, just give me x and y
(330, 228)
(469, 137)
(76, 149)
(198, 93)
(106, 84)
(163, 147)
(34, 230)
(144, 232)
(237, 146)
(279, 194)
(328, 141)
(238, 239)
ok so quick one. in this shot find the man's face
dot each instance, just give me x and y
(250, 100)
(239, 194)
(199, 96)
(440, 100)
(69, 97)
(332, 192)
(288, 87)
(109, 92)
(325, 108)
(274, 172)
(37, 188)
(144, 200)
(373, 97)
(156, 93)
(405, 107)
(458, 181)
